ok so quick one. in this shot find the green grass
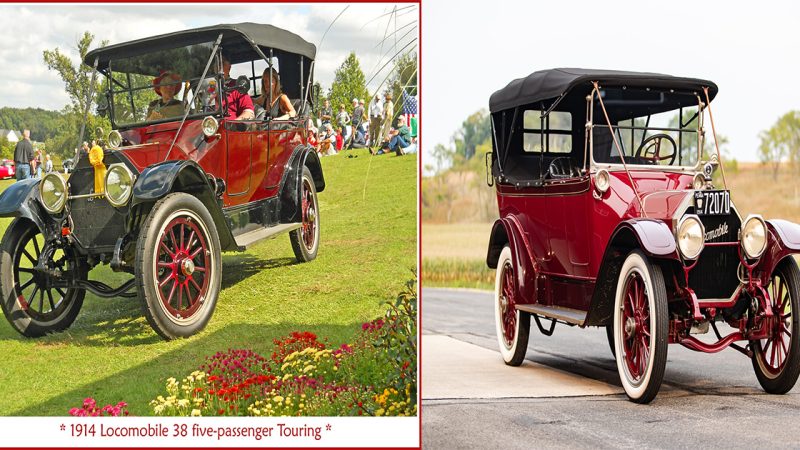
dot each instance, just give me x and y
(452, 272)
(367, 252)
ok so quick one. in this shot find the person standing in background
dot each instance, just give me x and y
(388, 116)
(23, 156)
(48, 164)
(356, 121)
(375, 119)
(39, 163)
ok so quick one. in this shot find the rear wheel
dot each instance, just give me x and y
(513, 326)
(178, 267)
(30, 303)
(640, 328)
(776, 360)
(305, 240)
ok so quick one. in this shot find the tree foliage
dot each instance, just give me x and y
(403, 78)
(77, 79)
(781, 141)
(349, 82)
(41, 122)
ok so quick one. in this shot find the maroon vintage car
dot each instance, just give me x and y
(191, 169)
(611, 215)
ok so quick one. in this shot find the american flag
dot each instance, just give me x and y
(409, 107)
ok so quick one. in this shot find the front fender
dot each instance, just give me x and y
(158, 180)
(654, 236)
(21, 199)
(507, 231)
(788, 233)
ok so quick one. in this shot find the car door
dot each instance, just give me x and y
(238, 176)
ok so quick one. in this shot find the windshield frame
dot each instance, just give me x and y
(127, 91)
(589, 142)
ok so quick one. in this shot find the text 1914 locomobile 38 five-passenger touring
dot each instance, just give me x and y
(184, 176)
(609, 217)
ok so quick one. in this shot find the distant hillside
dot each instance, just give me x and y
(42, 123)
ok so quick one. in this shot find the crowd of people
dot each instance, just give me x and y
(370, 127)
(30, 162)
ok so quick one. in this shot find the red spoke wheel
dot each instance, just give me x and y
(513, 326)
(32, 305)
(305, 240)
(640, 328)
(775, 359)
(178, 268)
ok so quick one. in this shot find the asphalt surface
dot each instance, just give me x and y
(706, 400)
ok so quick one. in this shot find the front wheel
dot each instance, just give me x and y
(178, 266)
(512, 325)
(305, 240)
(30, 302)
(640, 327)
(776, 360)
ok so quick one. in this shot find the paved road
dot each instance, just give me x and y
(567, 394)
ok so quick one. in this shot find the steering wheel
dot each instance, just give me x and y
(651, 149)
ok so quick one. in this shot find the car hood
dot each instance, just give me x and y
(667, 205)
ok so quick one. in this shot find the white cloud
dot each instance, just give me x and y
(28, 30)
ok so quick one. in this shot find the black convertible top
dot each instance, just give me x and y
(236, 41)
(549, 84)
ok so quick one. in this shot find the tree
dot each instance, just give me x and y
(474, 131)
(78, 83)
(349, 82)
(403, 78)
(781, 141)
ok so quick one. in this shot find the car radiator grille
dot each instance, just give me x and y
(95, 223)
(715, 275)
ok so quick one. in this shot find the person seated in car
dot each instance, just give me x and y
(281, 107)
(167, 85)
(240, 105)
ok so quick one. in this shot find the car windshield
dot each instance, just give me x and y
(160, 85)
(652, 128)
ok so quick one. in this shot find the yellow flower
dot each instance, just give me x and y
(158, 409)
(196, 413)
(379, 412)
(183, 403)
(277, 399)
(308, 368)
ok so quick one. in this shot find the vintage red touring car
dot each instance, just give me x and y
(181, 178)
(610, 216)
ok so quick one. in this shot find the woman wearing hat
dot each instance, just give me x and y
(167, 85)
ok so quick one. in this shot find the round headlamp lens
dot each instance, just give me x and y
(53, 193)
(114, 139)
(754, 237)
(602, 181)
(119, 185)
(210, 126)
(691, 237)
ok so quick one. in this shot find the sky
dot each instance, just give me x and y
(751, 50)
(27, 30)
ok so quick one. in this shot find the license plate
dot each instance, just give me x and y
(712, 203)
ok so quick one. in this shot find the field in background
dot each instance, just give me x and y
(454, 254)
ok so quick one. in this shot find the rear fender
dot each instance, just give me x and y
(158, 180)
(651, 236)
(506, 231)
(302, 156)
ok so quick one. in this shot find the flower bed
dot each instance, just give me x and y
(373, 375)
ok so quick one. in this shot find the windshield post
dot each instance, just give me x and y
(187, 108)
(89, 96)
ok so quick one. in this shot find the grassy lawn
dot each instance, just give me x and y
(367, 252)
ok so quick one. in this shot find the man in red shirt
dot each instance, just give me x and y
(240, 106)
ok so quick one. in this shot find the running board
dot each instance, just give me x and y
(246, 240)
(554, 312)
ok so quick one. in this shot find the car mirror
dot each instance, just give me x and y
(242, 85)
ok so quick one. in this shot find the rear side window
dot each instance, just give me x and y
(551, 134)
